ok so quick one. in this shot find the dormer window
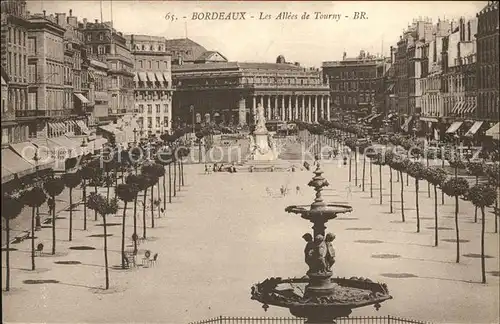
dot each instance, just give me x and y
(160, 48)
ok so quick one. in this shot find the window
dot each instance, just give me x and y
(149, 64)
(141, 109)
(150, 109)
(101, 36)
(165, 121)
(158, 122)
(89, 37)
(141, 64)
(157, 65)
(100, 50)
(165, 108)
(160, 48)
(158, 109)
(150, 121)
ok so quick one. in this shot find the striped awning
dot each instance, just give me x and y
(407, 123)
(368, 117)
(159, 77)
(462, 107)
(471, 108)
(371, 119)
(456, 107)
(494, 132)
(142, 76)
(151, 77)
(473, 130)
(91, 75)
(166, 77)
(62, 127)
(82, 98)
(454, 127)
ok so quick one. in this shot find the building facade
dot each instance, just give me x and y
(109, 45)
(153, 90)
(231, 91)
(487, 63)
(357, 82)
(16, 122)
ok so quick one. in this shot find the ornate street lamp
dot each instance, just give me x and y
(135, 135)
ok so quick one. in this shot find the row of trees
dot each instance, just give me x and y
(103, 171)
(404, 155)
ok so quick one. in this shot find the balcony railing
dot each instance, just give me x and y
(8, 115)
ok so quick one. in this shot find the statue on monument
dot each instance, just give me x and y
(319, 253)
(261, 120)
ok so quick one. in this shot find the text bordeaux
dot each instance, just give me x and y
(219, 16)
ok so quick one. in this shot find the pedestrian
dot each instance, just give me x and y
(51, 204)
(349, 191)
(206, 169)
(297, 190)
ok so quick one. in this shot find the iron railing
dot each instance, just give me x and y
(293, 320)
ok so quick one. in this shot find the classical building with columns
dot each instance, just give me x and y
(230, 92)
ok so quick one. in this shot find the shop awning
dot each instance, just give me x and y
(494, 132)
(368, 117)
(462, 107)
(473, 130)
(83, 127)
(390, 87)
(119, 135)
(151, 77)
(91, 75)
(46, 149)
(471, 108)
(454, 127)
(456, 107)
(67, 147)
(136, 77)
(159, 77)
(142, 76)
(371, 119)
(15, 164)
(407, 123)
(6, 174)
(82, 98)
(166, 77)
(99, 143)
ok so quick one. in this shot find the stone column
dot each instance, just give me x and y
(242, 118)
(275, 110)
(254, 108)
(289, 117)
(328, 108)
(309, 109)
(269, 116)
(303, 109)
(315, 109)
(282, 107)
(321, 107)
(296, 107)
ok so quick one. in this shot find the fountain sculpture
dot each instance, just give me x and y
(317, 296)
(262, 146)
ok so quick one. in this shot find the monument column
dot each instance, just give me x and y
(328, 108)
(269, 108)
(242, 115)
(309, 110)
(283, 107)
(289, 117)
(296, 107)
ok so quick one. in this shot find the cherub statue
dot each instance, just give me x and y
(330, 251)
(315, 253)
(308, 251)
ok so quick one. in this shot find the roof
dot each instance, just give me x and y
(188, 49)
(236, 66)
(206, 55)
(492, 5)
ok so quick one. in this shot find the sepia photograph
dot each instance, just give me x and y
(250, 162)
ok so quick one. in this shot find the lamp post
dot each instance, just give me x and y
(191, 108)
(135, 135)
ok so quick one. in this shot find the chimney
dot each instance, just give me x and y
(70, 12)
(44, 14)
(96, 21)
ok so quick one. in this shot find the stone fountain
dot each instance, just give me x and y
(317, 296)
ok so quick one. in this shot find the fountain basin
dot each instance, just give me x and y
(325, 211)
(347, 294)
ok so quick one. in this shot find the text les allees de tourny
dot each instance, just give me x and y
(285, 15)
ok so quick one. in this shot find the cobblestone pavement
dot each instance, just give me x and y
(223, 233)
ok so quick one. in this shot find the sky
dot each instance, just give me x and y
(308, 41)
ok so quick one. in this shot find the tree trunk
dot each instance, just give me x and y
(54, 227)
(402, 197)
(407, 178)
(135, 225)
(495, 214)
(397, 176)
(95, 211)
(144, 214)
(483, 265)
(175, 179)
(442, 196)
(116, 181)
(371, 179)
(182, 172)
(364, 168)
(107, 185)
(416, 204)
(356, 167)
(170, 182)
(152, 207)
(158, 196)
(84, 197)
(457, 231)
(380, 182)
(164, 193)
(350, 166)
(436, 229)
(70, 214)
(475, 209)
(106, 251)
(33, 238)
(390, 187)
(179, 180)
(123, 234)
(7, 255)
(428, 184)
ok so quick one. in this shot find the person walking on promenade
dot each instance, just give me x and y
(51, 204)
